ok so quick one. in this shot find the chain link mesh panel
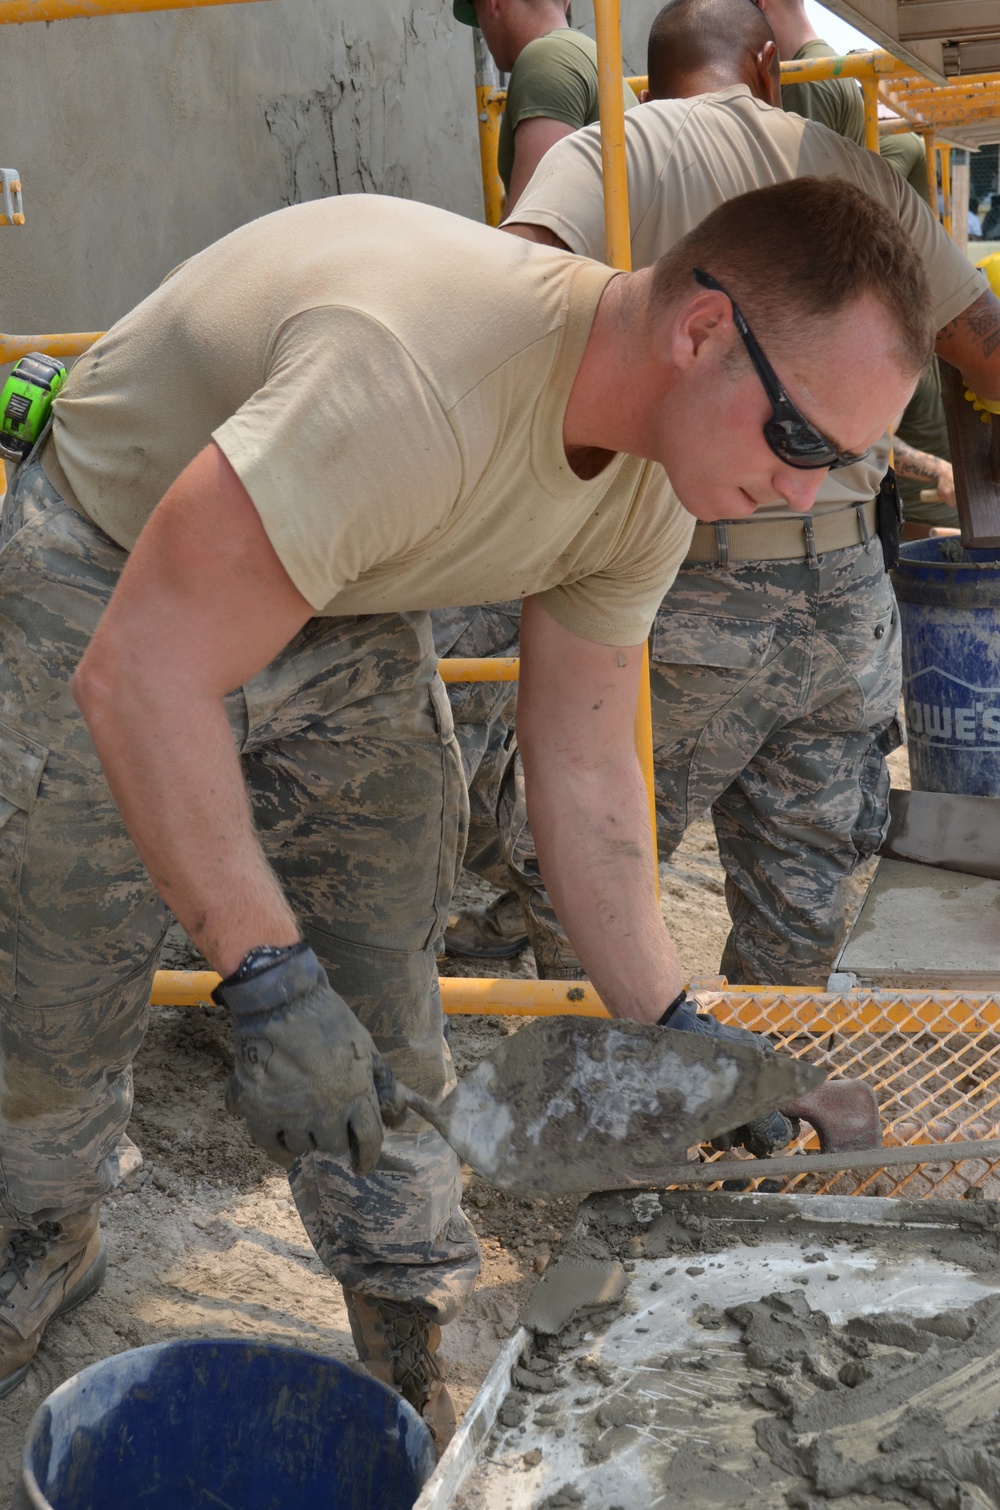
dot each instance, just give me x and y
(932, 1059)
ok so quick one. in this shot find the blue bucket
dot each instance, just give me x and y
(949, 604)
(206, 1424)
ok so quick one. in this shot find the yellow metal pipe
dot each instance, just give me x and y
(489, 107)
(500, 668)
(13, 12)
(775, 1008)
(869, 93)
(856, 65)
(945, 152)
(617, 237)
(14, 347)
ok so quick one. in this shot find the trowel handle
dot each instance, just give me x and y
(394, 1098)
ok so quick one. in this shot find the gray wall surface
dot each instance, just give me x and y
(141, 139)
(637, 17)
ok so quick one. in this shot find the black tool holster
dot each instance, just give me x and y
(889, 518)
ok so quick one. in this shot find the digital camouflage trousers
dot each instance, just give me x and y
(500, 847)
(356, 786)
(775, 687)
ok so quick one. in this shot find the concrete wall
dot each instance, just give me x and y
(637, 17)
(141, 139)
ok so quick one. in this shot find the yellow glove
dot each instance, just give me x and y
(987, 407)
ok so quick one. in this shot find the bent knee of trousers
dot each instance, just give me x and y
(399, 1231)
(789, 947)
(395, 994)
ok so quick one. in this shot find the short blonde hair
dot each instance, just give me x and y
(802, 251)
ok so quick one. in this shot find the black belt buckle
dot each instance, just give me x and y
(889, 518)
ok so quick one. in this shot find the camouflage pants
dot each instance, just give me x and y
(500, 847)
(355, 781)
(775, 688)
(484, 722)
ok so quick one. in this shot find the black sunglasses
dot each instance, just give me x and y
(789, 434)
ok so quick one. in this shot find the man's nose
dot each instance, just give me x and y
(798, 487)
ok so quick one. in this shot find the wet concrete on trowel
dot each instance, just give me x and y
(769, 1351)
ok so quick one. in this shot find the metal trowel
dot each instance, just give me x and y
(571, 1104)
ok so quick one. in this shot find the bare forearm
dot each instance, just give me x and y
(178, 785)
(924, 467)
(591, 829)
(971, 342)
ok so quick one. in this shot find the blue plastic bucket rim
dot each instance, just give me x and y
(29, 1486)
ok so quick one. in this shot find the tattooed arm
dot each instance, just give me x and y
(971, 342)
(932, 471)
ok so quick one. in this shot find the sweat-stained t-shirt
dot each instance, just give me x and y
(685, 158)
(555, 77)
(389, 382)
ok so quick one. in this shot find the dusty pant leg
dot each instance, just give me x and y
(500, 847)
(483, 714)
(79, 919)
(813, 802)
(729, 665)
(484, 748)
(359, 798)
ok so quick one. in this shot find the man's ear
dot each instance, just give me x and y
(644, 96)
(698, 322)
(769, 74)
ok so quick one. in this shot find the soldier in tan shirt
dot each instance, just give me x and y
(218, 688)
(776, 671)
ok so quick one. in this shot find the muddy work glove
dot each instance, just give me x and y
(304, 1064)
(764, 1134)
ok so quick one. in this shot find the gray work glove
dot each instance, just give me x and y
(305, 1067)
(763, 1135)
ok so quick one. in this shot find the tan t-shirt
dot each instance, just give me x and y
(389, 382)
(686, 157)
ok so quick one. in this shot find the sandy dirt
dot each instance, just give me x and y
(205, 1241)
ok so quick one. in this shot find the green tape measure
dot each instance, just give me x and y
(26, 403)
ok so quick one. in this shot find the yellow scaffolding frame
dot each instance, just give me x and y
(926, 108)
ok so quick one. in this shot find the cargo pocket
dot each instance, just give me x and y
(873, 813)
(454, 808)
(701, 639)
(21, 765)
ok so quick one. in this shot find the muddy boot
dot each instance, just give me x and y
(398, 1344)
(494, 932)
(44, 1272)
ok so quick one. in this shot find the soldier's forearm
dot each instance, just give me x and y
(178, 785)
(923, 466)
(591, 829)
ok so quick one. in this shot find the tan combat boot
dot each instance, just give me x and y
(44, 1272)
(494, 932)
(398, 1344)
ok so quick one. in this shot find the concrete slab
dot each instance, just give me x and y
(675, 1401)
(945, 830)
(922, 926)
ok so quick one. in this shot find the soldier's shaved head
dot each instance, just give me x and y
(699, 45)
